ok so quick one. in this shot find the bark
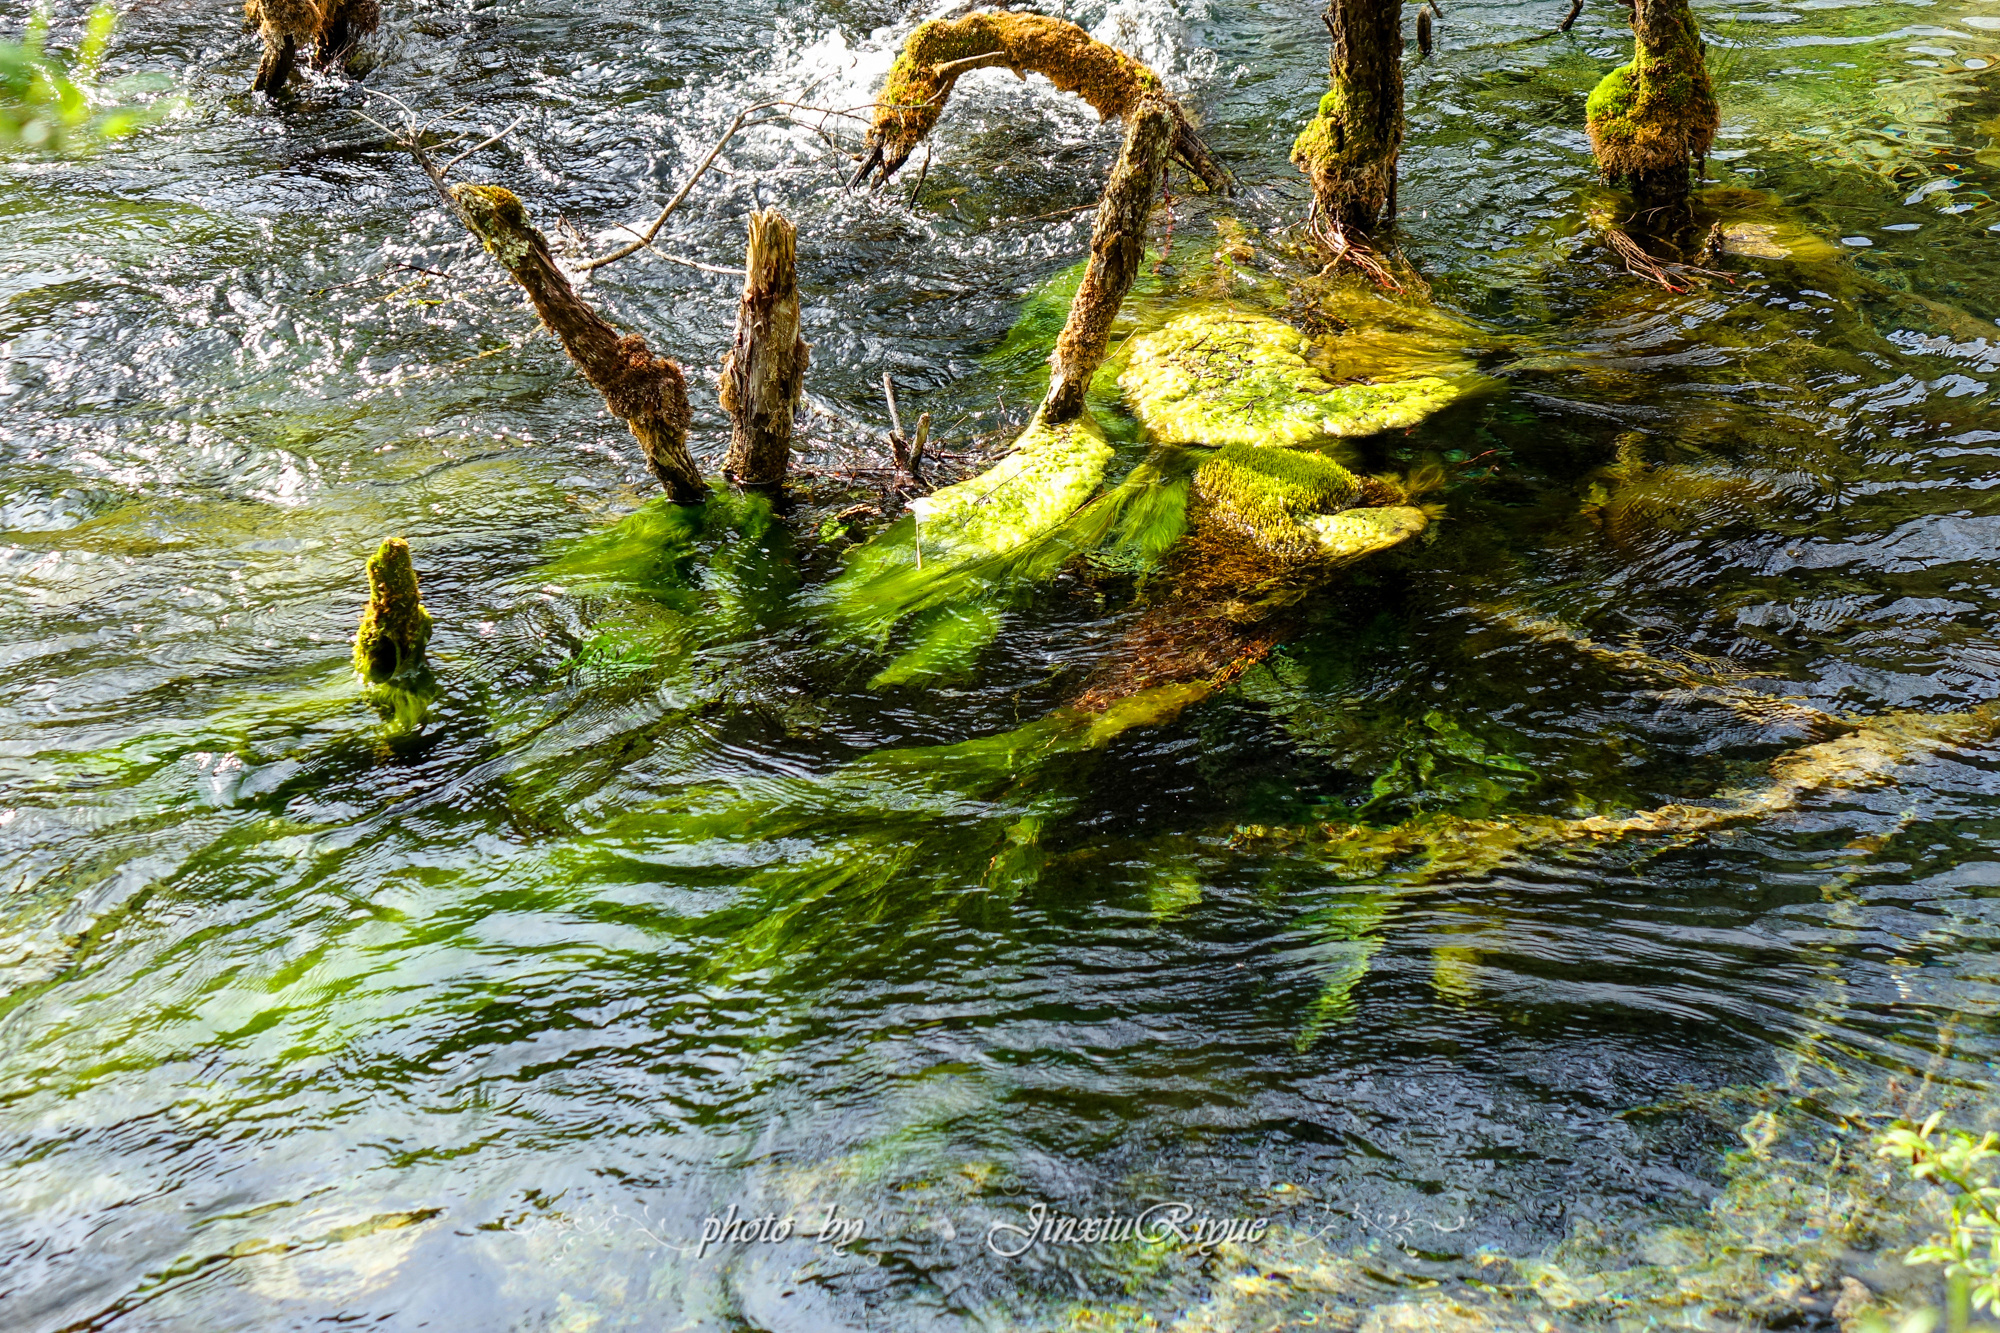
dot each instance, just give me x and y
(1117, 248)
(1349, 150)
(1651, 120)
(938, 52)
(274, 71)
(647, 392)
(764, 374)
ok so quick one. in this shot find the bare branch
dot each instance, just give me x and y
(446, 168)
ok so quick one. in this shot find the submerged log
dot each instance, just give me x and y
(645, 391)
(764, 373)
(1117, 247)
(289, 27)
(1651, 120)
(938, 52)
(1349, 150)
(394, 624)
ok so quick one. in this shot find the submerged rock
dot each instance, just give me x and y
(1226, 376)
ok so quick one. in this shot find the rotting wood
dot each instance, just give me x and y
(764, 372)
(647, 392)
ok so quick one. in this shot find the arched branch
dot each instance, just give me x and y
(938, 52)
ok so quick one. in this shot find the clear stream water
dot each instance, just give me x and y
(304, 1023)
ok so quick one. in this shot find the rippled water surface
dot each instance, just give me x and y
(665, 911)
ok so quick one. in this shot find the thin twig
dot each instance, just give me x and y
(889, 392)
(736, 126)
(691, 263)
(446, 168)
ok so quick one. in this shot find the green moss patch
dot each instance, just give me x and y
(1223, 376)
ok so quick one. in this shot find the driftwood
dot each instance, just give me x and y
(938, 52)
(647, 392)
(1117, 246)
(763, 374)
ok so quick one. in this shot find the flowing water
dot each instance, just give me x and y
(665, 911)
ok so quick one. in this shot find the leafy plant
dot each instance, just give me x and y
(1952, 1158)
(51, 101)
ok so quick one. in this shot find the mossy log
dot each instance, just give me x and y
(1652, 120)
(1349, 149)
(939, 51)
(764, 373)
(288, 27)
(395, 627)
(1117, 248)
(645, 391)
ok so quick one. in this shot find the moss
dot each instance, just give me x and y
(1224, 376)
(394, 624)
(938, 52)
(1651, 118)
(1051, 470)
(1262, 494)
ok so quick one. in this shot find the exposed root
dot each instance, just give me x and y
(1665, 273)
(1345, 248)
(938, 52)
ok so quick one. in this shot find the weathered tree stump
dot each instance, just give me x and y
(763, 374)
(647, 392)
(1349, 150)
(290, 26)
(394, 624)
(1117, 248)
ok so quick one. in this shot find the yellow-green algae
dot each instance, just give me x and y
(1051, 471)
(1228, 376)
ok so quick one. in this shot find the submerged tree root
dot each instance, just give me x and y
(647, 392)
(1675, 277)
(938, 52)
(1865, 757)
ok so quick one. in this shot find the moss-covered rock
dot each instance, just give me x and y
(1263, 494)
(1223, 376)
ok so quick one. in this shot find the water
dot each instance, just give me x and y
(666, 912)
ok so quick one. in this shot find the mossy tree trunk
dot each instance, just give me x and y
(1117, 248)
(647, 392)
(1349, 150)
(1653, 120)
(764, 373)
